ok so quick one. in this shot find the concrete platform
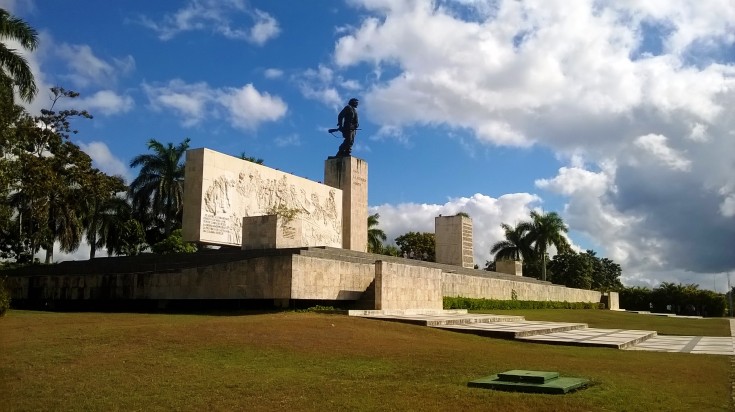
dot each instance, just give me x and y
(514, 329)
(609, 338)
(435, 319)
(688, 344)
(558, 333)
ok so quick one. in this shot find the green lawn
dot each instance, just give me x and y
(309, 361)
(609, 319)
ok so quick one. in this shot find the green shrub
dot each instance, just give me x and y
(4, 298)
(495, 304)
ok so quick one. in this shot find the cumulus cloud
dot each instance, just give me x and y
(89, 69)
(244, 107)
(106, 102)
(655, 145)
(104, 160)
(322, 84)
(487, 214)
(247, 107)
(642, 91)
(215, 16)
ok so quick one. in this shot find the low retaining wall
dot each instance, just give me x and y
(327, 279)
(400, 286)
(478, 287)
(397, 285)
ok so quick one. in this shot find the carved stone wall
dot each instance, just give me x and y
(220, 190)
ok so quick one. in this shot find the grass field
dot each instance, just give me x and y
(310, 361)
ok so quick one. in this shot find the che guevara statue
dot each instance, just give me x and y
(348, 123)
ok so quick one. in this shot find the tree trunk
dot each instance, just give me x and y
(92, 246)
(543, 266)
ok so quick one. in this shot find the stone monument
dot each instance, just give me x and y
(221, 192)
(454, 240)
(349, 174)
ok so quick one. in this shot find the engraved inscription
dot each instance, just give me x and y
(214, 224)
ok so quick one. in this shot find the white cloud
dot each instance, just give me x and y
(273, 73)
(245, 107)
(215, 16)
(188, 101)
(104, 160)
(290, 140)
(264, 29)
(655, 144)
(487, 214)
(88, 69)
(106, 102)
(248, 107)
(727, 207)
(585, 80)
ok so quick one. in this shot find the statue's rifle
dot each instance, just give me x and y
(331, 131)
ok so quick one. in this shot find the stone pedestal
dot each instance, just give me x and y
(454, 240)
(273, 232)
(350, 174)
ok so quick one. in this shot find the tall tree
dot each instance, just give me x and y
(517, 243)
(13, 66)
(51, 174)
(376, 236)
(547, 229)
(159, 188)
(100, 205)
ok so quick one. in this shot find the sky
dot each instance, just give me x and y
(619, 115)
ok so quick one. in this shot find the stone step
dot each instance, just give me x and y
(443, 319)
(609, 338)
(400, 312)
(513, 329)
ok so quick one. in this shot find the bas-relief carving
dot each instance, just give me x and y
(227, 200)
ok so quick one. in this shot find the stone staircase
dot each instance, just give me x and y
(514, 327)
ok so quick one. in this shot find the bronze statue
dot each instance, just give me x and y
(347, 123)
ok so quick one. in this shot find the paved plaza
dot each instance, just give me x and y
(559, 333)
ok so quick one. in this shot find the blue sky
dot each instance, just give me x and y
(616, 114)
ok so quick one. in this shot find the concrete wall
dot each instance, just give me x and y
(220, 190)
(295, 276)
(316, 278)
(611, 300)
(480, 287)
(258, 278)
(399, 286)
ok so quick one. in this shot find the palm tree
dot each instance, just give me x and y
(376, 236)
(547, 229)
(98, 204)
(159, 188)
(13, 66)
(517, 243)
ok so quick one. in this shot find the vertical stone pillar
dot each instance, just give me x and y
(350, 175)
(453, 235)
